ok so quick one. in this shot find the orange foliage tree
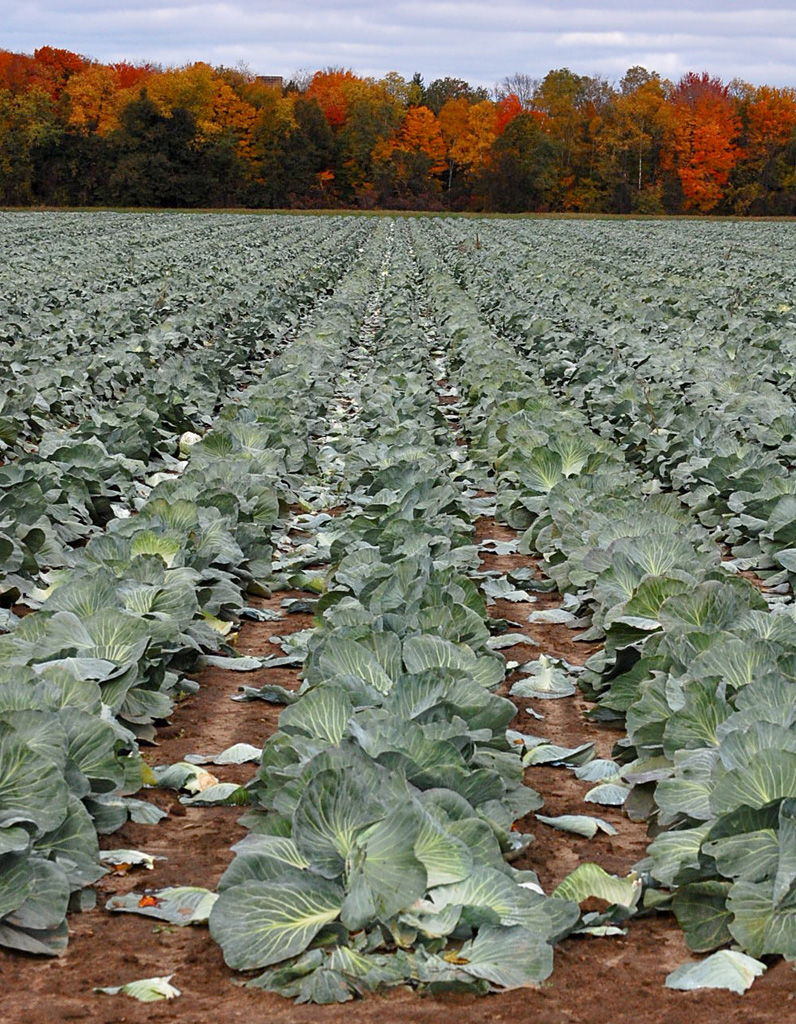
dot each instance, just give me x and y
(419, 134)
(215, 106)
(131, 74)
(703, 147)
(332, 89)
(473, 146)
(411, 158)
(454, 118)
(765, 174)
(96, 99)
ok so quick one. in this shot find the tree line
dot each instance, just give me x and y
(76, 132)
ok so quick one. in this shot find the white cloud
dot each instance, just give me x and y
(475, 41)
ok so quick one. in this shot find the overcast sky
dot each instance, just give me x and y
(480, 42)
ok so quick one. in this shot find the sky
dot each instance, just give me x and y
(479, 42)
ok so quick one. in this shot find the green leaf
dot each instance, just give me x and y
(262, 923)
(695, 723)
(542, 470)
(752, 856)
(32, 787)
(385, 875)
(757, 925)
(13, 840)
(786, 868)
(709, 607)
(44, 907)
(16, 881)
(609, 794)
(236, 664)
(445, 858)
(261, 859)
(221, 794)
(52, 942)
(650, 595)
(84, 596)
(165, 545)
(347, 659)
(322, 711)
(676, 855)
(507, 957)
(492, 897)
(768, 777)
(551, 753)
(238, 753)
(115, 637)
(334, 808)
(431, 652)
(701, 911)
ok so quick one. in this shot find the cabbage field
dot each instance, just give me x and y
(449, 449)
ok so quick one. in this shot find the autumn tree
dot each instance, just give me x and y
(507, 109)
(412, 158)
(558, 99)
(408, 94)
(469, 130)
(374, 113)
(454, 120)
(16, 70)
(473, 147)
(132, 74)
(216, 108)
(95, 99)
(52, 68)
(267, 159)
(764, 179)
(633, 134)
(332, 90)
(73, 130)
(703, 149)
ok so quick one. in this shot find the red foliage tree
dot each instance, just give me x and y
(131, 74)
(507, 110)
(52, 68)
(703, 143)
(15, 71)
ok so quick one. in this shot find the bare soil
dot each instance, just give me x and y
(595, 981)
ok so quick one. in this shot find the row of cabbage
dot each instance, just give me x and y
(100, 385)
(95, 307)
(83, 678)
(696, 663)
(694, 380)
(383, 806)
